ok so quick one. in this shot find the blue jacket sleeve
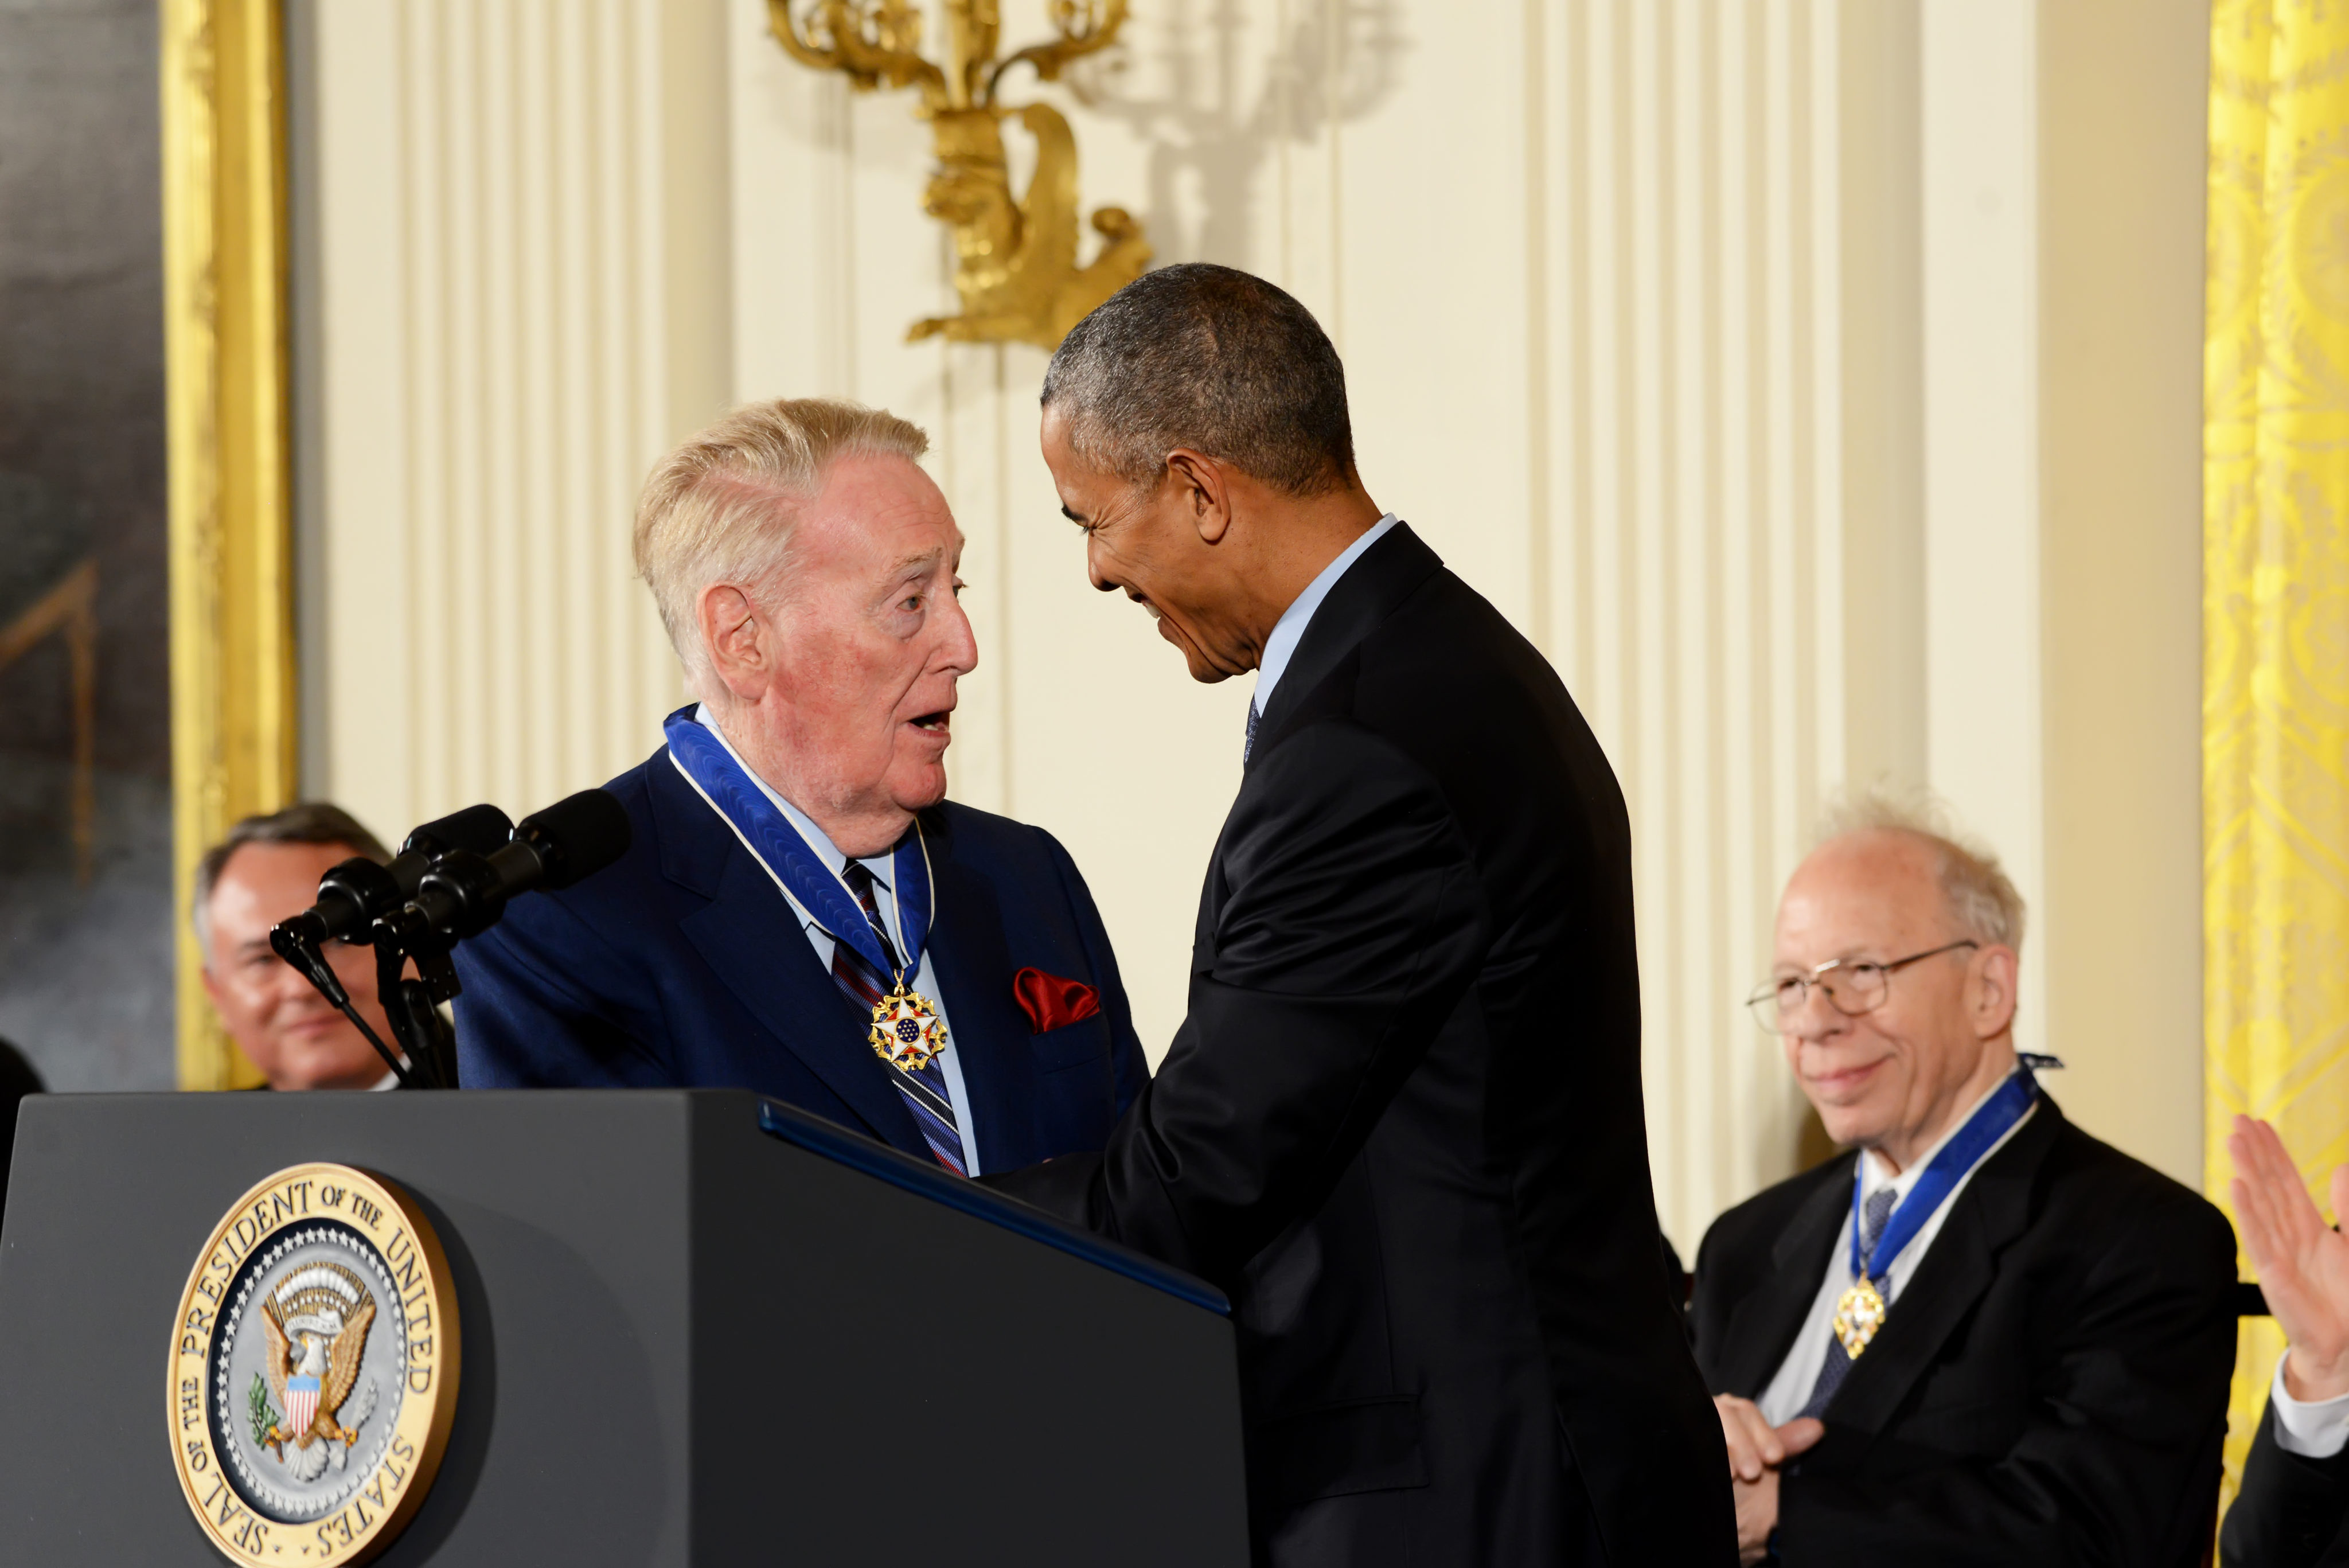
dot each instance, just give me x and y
(522, 1023)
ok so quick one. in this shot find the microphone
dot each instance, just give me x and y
(464, 892)
(355, 893)
(451, 880)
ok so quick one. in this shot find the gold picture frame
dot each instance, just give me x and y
(225, 334)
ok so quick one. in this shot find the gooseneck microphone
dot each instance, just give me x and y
(355, 893)
(451, 880)
(464, 892)
(358, 892)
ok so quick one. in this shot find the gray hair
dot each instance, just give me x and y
(1212, 358)
(1980, 896)
(305, 822)
(721, 507)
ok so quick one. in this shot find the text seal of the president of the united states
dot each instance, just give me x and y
(314, 1368)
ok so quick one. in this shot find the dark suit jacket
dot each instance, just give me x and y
(2050, 1387)
(683, 965)
(2293, 1512)
(1401, 1123)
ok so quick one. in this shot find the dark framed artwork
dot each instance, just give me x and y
(85, 942)
(147, 657)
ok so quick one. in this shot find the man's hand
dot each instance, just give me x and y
(2303, 1262)
(1756, 1450)
(1757, 1516)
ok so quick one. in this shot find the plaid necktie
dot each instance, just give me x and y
(924, 1088)
(1879, 1209)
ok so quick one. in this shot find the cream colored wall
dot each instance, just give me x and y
(1980, 413)
(515, 218)
(2061, 267)
(1644, 305)
(2121, 94)
(2060, 271)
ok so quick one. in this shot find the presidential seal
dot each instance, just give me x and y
(314, 1369)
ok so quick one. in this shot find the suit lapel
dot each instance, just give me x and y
(749, 935)
(971, 958)
(1992, 1211)
(1762, 1326)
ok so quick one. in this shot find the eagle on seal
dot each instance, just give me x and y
(318, 1321)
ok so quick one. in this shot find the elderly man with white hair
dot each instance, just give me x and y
(1981, 1335)
(803, 912)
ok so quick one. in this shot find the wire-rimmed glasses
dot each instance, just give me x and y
(1853, 986)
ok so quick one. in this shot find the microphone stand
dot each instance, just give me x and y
(412, 1006)
(304, 955)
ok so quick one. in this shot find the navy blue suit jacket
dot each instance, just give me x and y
(682, 965)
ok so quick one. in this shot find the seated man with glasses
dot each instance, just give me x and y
(1981, 1335)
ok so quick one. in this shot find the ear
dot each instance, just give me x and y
(733, 631)
(1204, 490)
(1991, 990)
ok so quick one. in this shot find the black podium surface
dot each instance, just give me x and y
(696, 1330)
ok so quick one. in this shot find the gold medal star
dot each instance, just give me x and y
(1858, 1315)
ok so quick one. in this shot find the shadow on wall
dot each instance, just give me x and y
(1207, 140)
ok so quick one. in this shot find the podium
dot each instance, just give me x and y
(697, 1327)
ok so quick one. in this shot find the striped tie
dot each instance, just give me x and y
(924, 1088)
(1838, 1365)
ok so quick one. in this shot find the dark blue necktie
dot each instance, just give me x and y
(924, 1087)
(1877, 1211)
(1248, 745)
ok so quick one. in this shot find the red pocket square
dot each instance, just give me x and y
(1052, 1002)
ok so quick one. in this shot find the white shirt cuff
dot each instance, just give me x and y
(2315, 1431)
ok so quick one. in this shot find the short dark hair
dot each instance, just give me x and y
(1209, 357)
(305, 822)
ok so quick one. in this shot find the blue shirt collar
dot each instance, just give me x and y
(1289, 629)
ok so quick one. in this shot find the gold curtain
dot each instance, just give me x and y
(2275, 717)
(224, 335)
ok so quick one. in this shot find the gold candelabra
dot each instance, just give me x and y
(1016, 256)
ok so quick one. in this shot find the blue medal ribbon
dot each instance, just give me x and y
(770, 837)
(1984, 1127)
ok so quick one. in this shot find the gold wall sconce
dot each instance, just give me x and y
(1016, 257)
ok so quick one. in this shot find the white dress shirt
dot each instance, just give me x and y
(1790, 1390)
(2317, 1429)
(1289, 629)
(885, 897)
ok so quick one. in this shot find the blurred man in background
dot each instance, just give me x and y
(264, 870)
(1981, 1336)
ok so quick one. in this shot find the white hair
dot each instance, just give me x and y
(1981, 897)
(721, 507)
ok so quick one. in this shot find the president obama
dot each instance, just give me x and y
(1401, 1123)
